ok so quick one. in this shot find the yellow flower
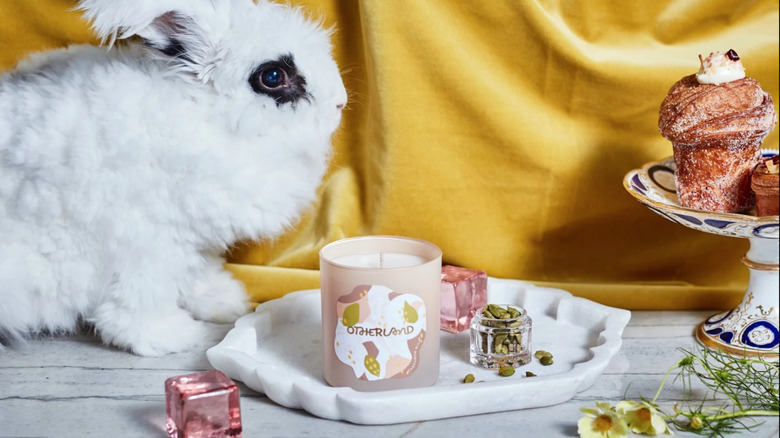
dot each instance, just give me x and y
(642, 417)
(601, 423)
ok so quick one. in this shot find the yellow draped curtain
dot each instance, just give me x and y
(501, 132)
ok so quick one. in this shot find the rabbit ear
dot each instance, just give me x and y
(169, 26)
(111, 19)
(171, 34)
(181, 39)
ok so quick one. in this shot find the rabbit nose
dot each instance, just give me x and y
(340, 106)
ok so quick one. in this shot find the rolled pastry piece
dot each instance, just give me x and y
(766, 185)
(716, 123)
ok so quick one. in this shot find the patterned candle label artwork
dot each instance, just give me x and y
(379, 332)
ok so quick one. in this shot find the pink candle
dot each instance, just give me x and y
(380, 312)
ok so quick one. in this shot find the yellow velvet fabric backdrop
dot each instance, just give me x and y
(501, 131)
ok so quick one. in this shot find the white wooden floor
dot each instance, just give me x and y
(76, 387)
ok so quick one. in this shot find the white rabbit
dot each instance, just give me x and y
(125, 172)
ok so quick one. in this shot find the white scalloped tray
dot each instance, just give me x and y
(277, 350)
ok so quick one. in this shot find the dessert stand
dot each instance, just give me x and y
(751, 328)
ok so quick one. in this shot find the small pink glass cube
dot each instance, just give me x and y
(201, 405)
(463, 291)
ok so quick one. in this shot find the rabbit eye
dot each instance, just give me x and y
(273, 77)
(280, 80)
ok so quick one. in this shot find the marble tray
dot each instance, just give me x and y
(277, 350)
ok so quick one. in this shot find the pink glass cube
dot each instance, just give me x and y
(463, 291)
(201, 405)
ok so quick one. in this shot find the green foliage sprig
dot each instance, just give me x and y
(743, 388)
(749, 384)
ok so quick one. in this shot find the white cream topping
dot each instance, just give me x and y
(719, 68)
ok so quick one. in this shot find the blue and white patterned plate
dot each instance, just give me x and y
(653, 185)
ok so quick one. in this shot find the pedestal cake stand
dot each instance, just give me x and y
(751, 328)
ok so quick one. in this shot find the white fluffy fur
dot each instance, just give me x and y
(125, 173)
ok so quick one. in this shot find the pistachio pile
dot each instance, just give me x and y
(504, 342)
(497, 312)
(544, 357)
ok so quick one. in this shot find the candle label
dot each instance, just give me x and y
(379, 332)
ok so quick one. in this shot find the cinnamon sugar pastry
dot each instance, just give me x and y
(716, 121)
(766, 185)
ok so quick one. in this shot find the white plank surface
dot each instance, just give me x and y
(76, 387)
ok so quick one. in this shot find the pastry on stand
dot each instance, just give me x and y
(716, 120)
(751, 328)
(766, 185)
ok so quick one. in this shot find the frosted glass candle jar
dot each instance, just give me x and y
(380, 312)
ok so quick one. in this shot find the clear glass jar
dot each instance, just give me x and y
(501, 340)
